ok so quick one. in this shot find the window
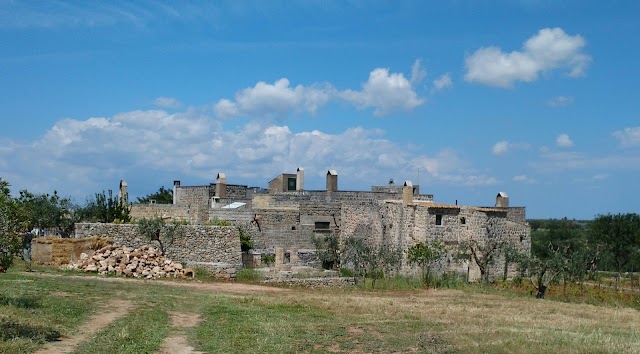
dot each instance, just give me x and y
(438, 219)
(322, 225)
(291, 184)
(463, 221)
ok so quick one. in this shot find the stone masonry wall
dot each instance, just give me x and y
(193, 196)
(216, 248)
(174, 212)
(391, 223)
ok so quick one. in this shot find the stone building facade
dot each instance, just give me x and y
(287, 216)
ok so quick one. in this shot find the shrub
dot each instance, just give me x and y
(268, 259)
(248, 274)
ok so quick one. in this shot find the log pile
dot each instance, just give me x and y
(144, 262)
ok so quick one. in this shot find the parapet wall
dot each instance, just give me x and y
(190, 214)
(216, 248)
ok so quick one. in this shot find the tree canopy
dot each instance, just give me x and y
(162, 196)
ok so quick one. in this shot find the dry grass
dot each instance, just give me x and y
(468, 322)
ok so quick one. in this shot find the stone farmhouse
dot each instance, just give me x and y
(287, 217)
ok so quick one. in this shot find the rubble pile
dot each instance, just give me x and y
(144, 262)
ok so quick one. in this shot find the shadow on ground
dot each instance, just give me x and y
(12, 330)
(22, 302)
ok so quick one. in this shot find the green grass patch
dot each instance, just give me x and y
(142, 331)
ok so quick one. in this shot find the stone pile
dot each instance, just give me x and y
(144, 262)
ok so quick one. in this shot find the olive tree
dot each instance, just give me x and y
(425, 256)
(165, 234)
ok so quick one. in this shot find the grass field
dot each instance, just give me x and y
(47, 307)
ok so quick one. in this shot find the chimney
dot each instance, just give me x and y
(221, 186)
(176, 184)
(124, 195)
(332, 180)
(502, 200)
(300, 179)
(407, 193)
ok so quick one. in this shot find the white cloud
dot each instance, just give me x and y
(564, 141)
(384, 92)
(442, 82)
(560, 101)
(500, 148)
(549, 49)
(417, 72)
(80, 157)
(524, 179)
(275, 99)
(167, 102)
(629, 137)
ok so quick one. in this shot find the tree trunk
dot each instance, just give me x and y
(542, 290)
(506, 269)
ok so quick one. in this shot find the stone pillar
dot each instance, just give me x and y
(176, 184)
(221, 186)
(124, 195)
(279, 258)
(293, 256)
(332, 180)
(407, 194)
(257, 260)
(300, 179)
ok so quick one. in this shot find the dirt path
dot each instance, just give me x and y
(177, 342)
(224, 287)
(114, 310)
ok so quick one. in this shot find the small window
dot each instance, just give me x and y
(463, 220)
(322, 225)
(291, 184)
(438, 219)
(293, 227)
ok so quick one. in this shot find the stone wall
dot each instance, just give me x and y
(193, 196)
(389, 223)
(173, 212)
(216, 248)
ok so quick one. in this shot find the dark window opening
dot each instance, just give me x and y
(291, 184)
(293, 227)
(438, 219)
(521, 238)
(463, 221)
(322, 225)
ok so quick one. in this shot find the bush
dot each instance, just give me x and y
(449, 281)
(346, 272)
(268, 259)
(248, 274)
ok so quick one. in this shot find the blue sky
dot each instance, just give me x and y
(466, 98)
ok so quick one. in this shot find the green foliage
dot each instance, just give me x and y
(425, 256)
(46, 211)
(618, 237)
(246, 243)
(12, 221)
(268, 259)
(156, 229)
(328, 250)
(162, 196)
(373, 261)
(249, 275)
(105, 209)
(217, 222)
